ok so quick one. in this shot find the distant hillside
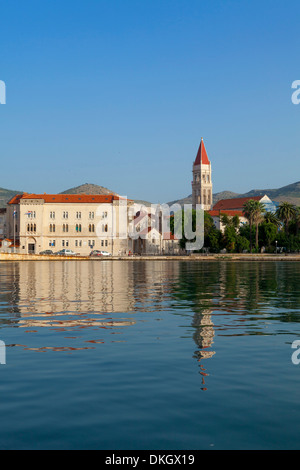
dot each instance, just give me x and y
(6, 195)
(216, 198)
(289, 193)
(88, 188)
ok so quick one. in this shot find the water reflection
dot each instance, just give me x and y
(104, 299)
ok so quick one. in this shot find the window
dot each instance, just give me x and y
(106, 243)
(78, 228)
(52, 215)
(53, 227)
(30, 228)
(102, 242)
(91, 228)
(63, 243)
(65, 215)
(106, 228)
(78, 215)
(91, 215)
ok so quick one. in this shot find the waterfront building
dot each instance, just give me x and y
(8, 245)
(217, 216)
(82, 223)
(237, 204)
(150, 239)
(2, 223)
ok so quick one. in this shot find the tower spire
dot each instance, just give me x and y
(202, 157)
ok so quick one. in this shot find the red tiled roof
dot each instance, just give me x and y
(202, 155)
(15, 199)
(216, 213)
(237, 203)
(67, 198)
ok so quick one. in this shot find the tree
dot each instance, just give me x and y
(286, 212)
(248, 210)
(242, 244)
(258, 211)
(268, 233)
(271, 217)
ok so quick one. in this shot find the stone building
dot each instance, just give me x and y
(202, 180)
(81, 223)
(2, 223)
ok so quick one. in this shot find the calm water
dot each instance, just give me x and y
(149, 355)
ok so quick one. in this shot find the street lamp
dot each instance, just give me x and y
(276, 246)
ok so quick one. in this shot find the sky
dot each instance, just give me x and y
(119, 93)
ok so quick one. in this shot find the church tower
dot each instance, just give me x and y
(202, 182)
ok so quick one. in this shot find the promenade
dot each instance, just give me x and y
(191, 258)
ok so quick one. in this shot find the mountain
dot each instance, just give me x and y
(289, 193)
(216, 197)
(88, 188)
(6, 195)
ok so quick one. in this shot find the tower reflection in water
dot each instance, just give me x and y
(204, 338)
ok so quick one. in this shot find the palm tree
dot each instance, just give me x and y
(230, 221)
(258, 211)
(248, 210)
(297, 220)
(272, 218)
(286, 212)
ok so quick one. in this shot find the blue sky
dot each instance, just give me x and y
(120, 92)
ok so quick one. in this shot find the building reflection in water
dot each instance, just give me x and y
(105, 298)
(69, 297)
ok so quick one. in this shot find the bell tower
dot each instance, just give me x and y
(202, 181)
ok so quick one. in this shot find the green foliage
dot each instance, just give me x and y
(242, 244)
(265, 227)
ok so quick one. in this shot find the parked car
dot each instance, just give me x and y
(46, 252)
(97, 253)
(66, 253)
